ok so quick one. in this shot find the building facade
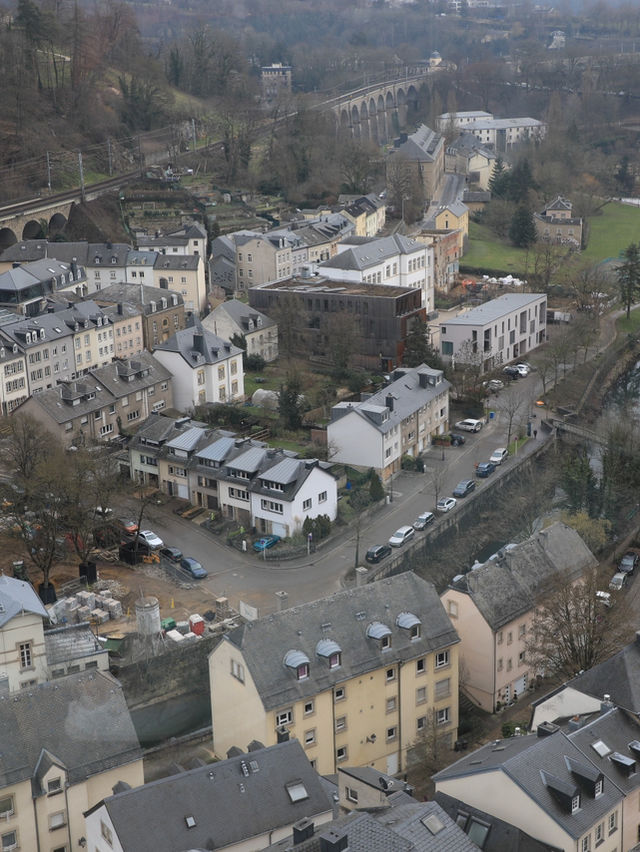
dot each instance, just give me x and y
(496, 332)
(356, 677)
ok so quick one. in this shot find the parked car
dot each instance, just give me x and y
(618, 581)
(604, 598)
(499, 455)
(193, 567)
(464, 487)
(456, 439)
(469, 425)
(628, 562)
(523, 368)
(152, 539)
(485, 469)
(446, 504)
(402, 536)
(265, 542)
(423, 520)
(173, 554)
(512, 372)
(377, 553)
(493, 385)
(129, 526)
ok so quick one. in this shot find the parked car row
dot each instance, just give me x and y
(187, 563)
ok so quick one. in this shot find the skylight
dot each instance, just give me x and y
(297, 791)
(601, 748)
(433, 823)
(190, 821)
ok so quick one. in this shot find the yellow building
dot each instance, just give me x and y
(454, 216)
(357, 677)
(64, 746)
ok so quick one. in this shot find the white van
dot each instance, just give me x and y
(604, 598)
(618, 581)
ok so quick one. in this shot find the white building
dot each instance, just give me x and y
(395, 261)
(205, 368)
(237, 318)
(497, 332)
(460, 119)
(397, 420)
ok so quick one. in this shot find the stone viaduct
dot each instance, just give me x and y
(378, 111)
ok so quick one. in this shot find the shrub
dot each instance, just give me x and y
(254, 363)
(408, 463)
(376, 490)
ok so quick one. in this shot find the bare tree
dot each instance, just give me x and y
(572, 631)
(513, 407)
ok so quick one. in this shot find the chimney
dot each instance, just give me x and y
(120, 308)
(334, 840)
(302, 830)
(546, 729)
(282, 734)
(222, 608)
(606, 704)
(16, 264)
(74, 269)
(283, 600)
(389, 402)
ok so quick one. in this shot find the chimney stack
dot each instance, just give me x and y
(389, 401)
(302, 830)
(283, 600)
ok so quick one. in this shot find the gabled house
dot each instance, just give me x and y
(97, 406)
(162, 311)
(423, 154)
(23, 661)
(190, 239)
(237, 318)
(355, 676)
(447, 217)
(205, 367)
(545, 785)
(64, 745)
(184, 274)
(492, 608)
(367, 212)
(557, 224)
(401, 419)
(467, 156)
(246, 802)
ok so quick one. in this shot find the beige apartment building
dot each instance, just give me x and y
(261, 258)
(492, 608)
(358, 677)
(65, 746)
(14, 386)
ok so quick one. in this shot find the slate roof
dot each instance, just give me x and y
(503, 123)
(536, 765)
(402, 828)
(240, 313)
(406, 393)
(619, 677)
(370, 251)
(422, 146)
(509, 586)
(18, 596)
(81, 251)
(495, 309)
(476, 196)
(140, 295)
(477, 113)
(616, 729)
(82, 720)
(187, 440)
(467, 144)
(502, 836)
(230, 801)
(106, 384)
(199, 346)
(223, 246)
(71, 642)
(177, 261)
(218, 450)
(39, 272)
(343, 617)
(155, 429)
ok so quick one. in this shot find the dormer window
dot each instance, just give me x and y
(378, 630)
(575, 804)
(409, 621)
(330, 651)
(599, 787)
(298, 662)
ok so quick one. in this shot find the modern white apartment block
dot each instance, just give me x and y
(497, 332)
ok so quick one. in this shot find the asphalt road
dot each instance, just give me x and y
(247, 577)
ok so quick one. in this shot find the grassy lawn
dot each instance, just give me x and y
(487, 252)
(612, 232)
(631, 325)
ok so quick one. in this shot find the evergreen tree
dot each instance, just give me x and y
(522, 231)
(500, 179)
(417, 348)
(629, 276)
(521, 182)
(290, 403)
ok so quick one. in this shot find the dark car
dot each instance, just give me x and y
(466, 486)
(485, 469)
(512, 372)
(377, 553)
(193, 567)
(456, 439)
(423, 520)
(171, 553)
(265, 542)
(628, 562)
